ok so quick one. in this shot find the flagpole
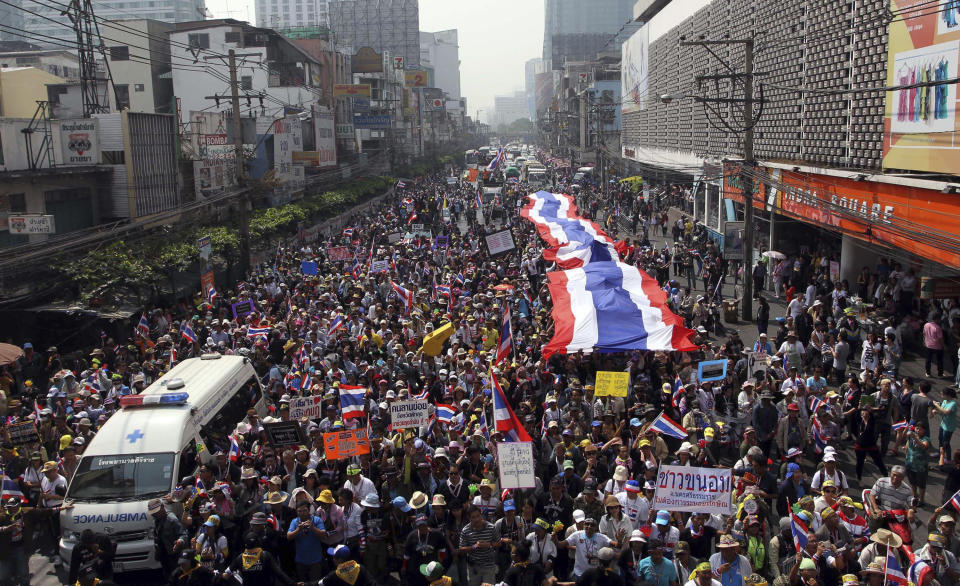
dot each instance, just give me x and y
(886, 561)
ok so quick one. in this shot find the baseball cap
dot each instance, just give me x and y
(663, 518)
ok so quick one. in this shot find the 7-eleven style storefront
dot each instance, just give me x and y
(912, 221)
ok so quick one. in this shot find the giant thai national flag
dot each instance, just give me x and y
(669, 427)
(612, 307)
(504, 417)
(351, 401)
(572, 241)
(505, 343)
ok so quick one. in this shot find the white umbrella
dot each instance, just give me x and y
(774, 255)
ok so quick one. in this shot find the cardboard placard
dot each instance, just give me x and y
(339, 253)
(379, 266)
(243, 308)
(416, 227)
(756, 362)
(309, 407)
(23, 433)
(284, 433)
(407, 414)
(395, 237)
(500, 242)
(711, 370)
(612, 384)
(308, 267)
(345, 444)
(516, 465)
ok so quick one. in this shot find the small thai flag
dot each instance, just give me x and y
(306, 382)
(815, 404)
(669, 427)
(816, 431)
(677, 390)
(234, 454)
(352, 401)
(412, 218)
(407, 201)
(258, 332)
(900, 425)
(483, 426)
(348, 232)
(335, 325)
(143, 326)
(955, 501)
(505, 343)
(799, 530)
(422, 395)
(405, 295)
(894, 573)
(442, 290)
(10, 488)
(188, 334)
(479, 202)
(212, 295)
(401, 184)
(445, 413)
(459, 280)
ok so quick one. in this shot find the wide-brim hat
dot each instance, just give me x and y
(276, 498)
(886, 537)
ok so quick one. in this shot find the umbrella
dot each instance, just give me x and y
(503, 287)
(9, 353)
(774, 255)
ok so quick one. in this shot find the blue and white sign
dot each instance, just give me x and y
(379, 121)
(711, 370)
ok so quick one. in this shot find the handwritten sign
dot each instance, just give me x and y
(500, 242)
(379, 266)
(23, 433)
(284, 433)
(710, 370)
(345, 444)
(394, 238)
(416, 227)
(406, 414)
(243, 308)
(685, 488)
(339, 253)
(611, 384)
(515, 461)
(309, 407)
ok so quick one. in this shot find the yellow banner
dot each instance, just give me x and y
(613, 384)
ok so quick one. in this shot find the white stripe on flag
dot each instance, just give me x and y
(585, 334)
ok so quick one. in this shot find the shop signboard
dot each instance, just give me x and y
(366, 60)
(324, 136)
(920, 123)
(351, 90)
(79, 141)
(370, 121)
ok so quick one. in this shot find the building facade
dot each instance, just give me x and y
(49, 21)
(283, 14)
(441, 52)
(140, 66)
(509, 108)
(576, 31)
(385, 25)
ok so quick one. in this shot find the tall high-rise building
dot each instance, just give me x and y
(50, 22)
(510, 108)
(441, 52)
(530, 70)
(286, 14)
(575, 30)
(383, 25)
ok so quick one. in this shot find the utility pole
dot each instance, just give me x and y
(244, 202)
(747, 172)
(238, 163)
(746, 169)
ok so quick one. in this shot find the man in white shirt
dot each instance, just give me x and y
(358, 483)
(587, 543)
(729, 561)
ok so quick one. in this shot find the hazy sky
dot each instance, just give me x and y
(497, 37)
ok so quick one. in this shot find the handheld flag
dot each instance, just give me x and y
(677, 391)
(445, 413)
(669, 427)
(187, 333)
(412, 218)
(234, 449)
(799, 531)
(143, 326)
(893, 573)
(401, 184)
(816, 431)
(335, 325)
(254, 332)
(815, 404)
(504, 417)
(479, 202)
(954, 501)
(505, 343)
(405, 295)
(900, 425)
(212, 295)
(351, 401)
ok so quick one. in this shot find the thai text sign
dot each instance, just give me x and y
(345, 444)
(684, 488)
(309, 407)
(405, 414)
(614, 384)
(515, 461)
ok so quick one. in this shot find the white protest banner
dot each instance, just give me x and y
(685, 488)
(515, 461)
(406, 414)
(379, 266)
(309, 407)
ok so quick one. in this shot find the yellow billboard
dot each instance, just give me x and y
(354, 90)
(416, 78)
(920, 122)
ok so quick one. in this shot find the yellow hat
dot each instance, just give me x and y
(644, 442)
(708, 432)
(703, 567)
(326, 497)
(65, 440)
